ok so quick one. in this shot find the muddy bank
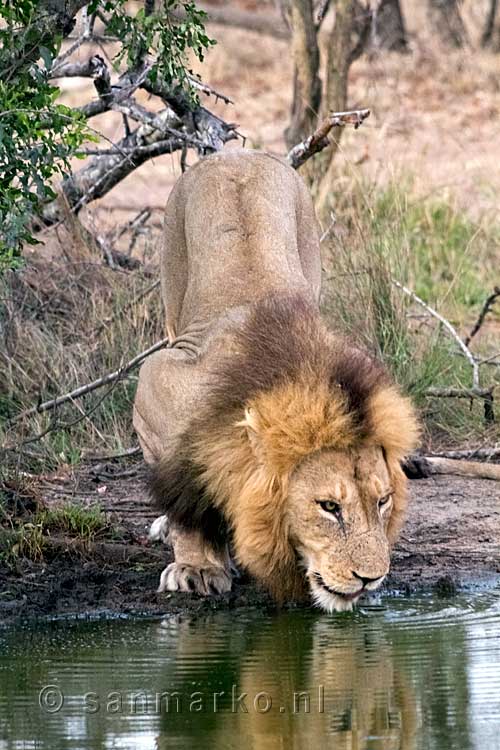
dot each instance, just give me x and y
(451, 538)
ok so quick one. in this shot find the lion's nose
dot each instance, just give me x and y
(365, 580)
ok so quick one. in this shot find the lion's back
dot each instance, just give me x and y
(238, 225)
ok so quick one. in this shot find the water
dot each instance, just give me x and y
(413, 674)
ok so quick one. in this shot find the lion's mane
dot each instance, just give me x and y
(287, 389)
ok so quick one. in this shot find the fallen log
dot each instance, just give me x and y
(420, 467)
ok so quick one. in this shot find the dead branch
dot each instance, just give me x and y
(102, 173)
(85, 36)
(471, 469)
(484, 454)
(95, 67)
(89, 387)
(488, 304)
(319, 139)
(483, 393)
(451, 330)
(169, 130)
(130, 452)
(208, 90)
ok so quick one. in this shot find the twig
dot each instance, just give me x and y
(89, 387)
(208, 90)
(488, 304)
(84, 37)
(57, 425)
(134, 451)
(487, 454)
(483, 393)
(319, 139)
(451, 330)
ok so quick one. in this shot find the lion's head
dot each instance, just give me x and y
(299, 449)
(339, 506)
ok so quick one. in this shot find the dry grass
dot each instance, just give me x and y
(66, 322)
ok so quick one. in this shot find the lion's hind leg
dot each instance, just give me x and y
(199, 567)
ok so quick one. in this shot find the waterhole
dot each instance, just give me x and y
(405, 673)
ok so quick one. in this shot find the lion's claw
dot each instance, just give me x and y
(206, 581)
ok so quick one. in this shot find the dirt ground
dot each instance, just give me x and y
(450, 540)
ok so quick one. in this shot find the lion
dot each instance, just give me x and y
(266, 434)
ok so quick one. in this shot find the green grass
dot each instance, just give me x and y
(447, 260)
(72, 520)
(450, 258)
(27, 537)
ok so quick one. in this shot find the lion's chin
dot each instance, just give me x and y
(330, 602)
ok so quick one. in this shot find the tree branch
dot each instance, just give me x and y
(89, 387)
(453, 333)
(488, 304)
(319, 139)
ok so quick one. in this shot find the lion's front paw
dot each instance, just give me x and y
(205, 581)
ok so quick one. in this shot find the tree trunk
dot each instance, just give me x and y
(306, 82)
(491, 34)
(446, 20)
(340, 56)
(388, 31)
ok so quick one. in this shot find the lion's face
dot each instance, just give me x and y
(339, 505)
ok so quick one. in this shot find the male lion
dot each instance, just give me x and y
(264, 431)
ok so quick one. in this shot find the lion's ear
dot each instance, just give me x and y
(253, 427)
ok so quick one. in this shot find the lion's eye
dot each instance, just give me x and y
(329, 505)
(384, 500)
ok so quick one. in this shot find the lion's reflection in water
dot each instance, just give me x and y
(307, 682)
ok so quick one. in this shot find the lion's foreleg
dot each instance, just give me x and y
(199, 567)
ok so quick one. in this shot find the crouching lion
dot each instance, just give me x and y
(266, 434)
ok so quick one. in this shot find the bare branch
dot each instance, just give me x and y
(208, 90)
(130, 452)
(103, 172)
(488, 304)
(483, 393)
(487, 454)
(451, 330)
(319, 139)
(89, 387)
(463, 468)
(85, 36)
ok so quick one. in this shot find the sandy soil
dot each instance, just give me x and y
(450, 539)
